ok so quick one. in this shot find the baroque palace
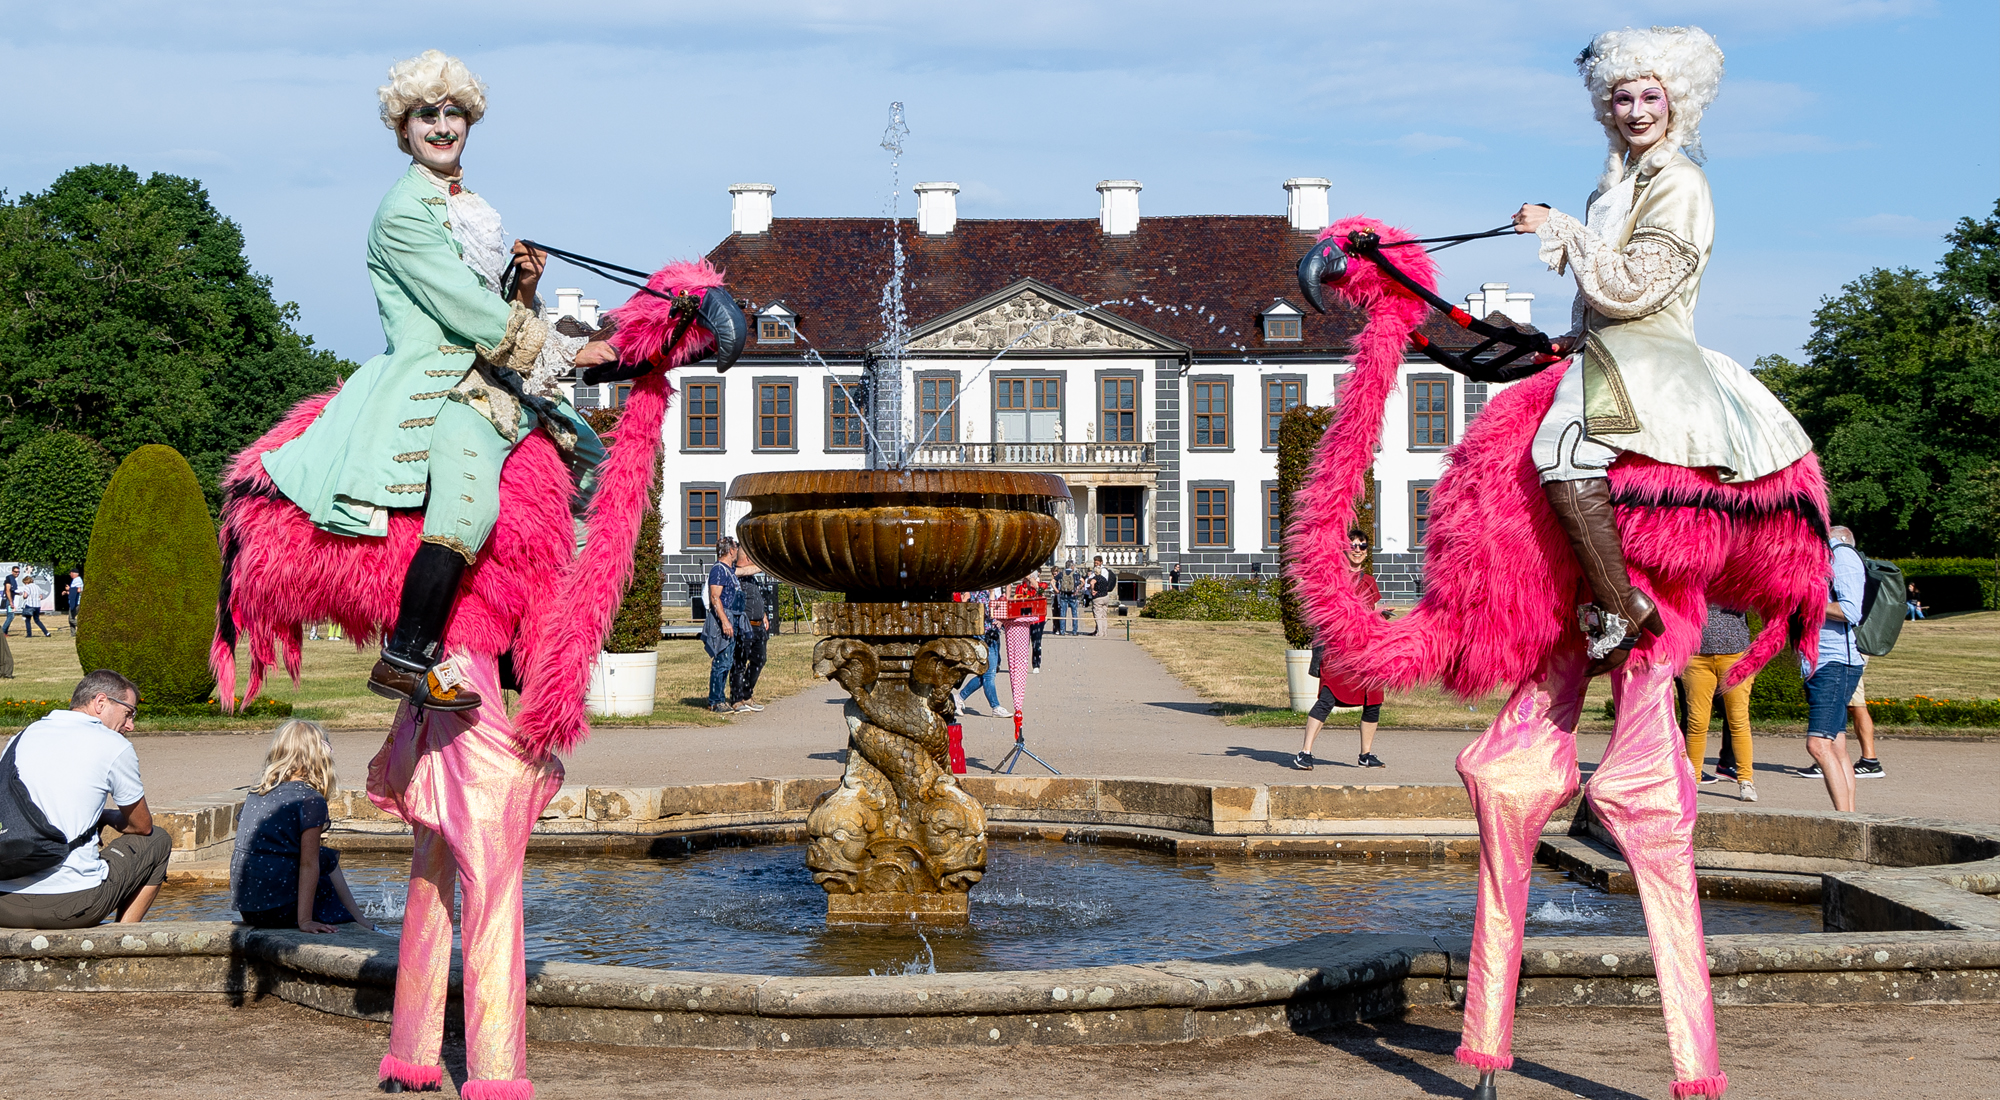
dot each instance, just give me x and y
(1148, 361)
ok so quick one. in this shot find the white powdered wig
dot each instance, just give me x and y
(1685, 60)
(429, 77)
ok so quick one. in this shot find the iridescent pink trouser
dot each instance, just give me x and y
(471, 801)
(1518, 773)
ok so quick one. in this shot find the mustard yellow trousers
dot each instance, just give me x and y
(1699, 680)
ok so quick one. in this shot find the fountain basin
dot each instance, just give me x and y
(899, 536)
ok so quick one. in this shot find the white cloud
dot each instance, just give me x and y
(1898, 225)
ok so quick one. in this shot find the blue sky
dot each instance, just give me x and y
(1849, 134)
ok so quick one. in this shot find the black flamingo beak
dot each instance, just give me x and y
(724, 318)
(1323, 263)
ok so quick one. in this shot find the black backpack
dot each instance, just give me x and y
(28, 843)
(1883, 605)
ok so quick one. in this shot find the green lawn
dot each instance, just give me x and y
(1241, 665)
(333, 683)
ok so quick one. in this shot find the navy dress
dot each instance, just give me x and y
(264, 870)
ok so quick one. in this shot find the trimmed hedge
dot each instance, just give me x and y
(154, 571)
(1214, 599)
(794, 604)
(636, 627)
(24, 711)
(1299, 435)
(1954, 584)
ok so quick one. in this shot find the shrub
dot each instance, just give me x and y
(794, 604)
(20, 712)
(154, 571)
(1299, 435)
(1216, 599)
(1779, 692)
(636, 627)
(1954, 584)
(49, 494)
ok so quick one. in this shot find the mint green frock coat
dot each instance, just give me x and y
(371, 446)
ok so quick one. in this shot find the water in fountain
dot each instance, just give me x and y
(889, 449)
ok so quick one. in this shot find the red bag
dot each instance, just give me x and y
(955, 747)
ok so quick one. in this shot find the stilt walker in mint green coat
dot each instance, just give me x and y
(467, 374)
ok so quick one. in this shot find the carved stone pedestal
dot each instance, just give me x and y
(899, 841)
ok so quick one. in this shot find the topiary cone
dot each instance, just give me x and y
(153, 574)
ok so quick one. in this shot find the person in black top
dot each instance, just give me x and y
(750, 641)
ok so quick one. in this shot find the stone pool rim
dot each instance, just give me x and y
(1908, 903)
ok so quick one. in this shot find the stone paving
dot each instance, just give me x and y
(1103, 708)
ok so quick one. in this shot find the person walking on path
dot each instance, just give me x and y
(1069, 582)
(751, 641)
(719, 627)
(1831, 678)
(75, 597)
(68, 763)
(985, 679)
(1869, 766)
(10, 594)
(1723, 640)
(1103, 594)
(1338, 691)
(32, 598)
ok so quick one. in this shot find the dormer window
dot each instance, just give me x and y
(1282, 323)
(775, 324)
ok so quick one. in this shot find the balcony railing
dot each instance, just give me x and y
(1114, 556)
(1034, 454)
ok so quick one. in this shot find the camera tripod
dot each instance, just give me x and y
(1019, 750)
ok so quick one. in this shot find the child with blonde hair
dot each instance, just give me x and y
(279, 876)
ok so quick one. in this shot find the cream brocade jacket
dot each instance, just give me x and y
(1648, 386)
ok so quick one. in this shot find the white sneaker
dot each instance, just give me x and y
(1746, 792)
(1037, 670)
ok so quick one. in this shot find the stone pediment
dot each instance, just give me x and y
(1031, 317)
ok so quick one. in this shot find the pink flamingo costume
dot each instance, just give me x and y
(1499, 611)
(472, 783)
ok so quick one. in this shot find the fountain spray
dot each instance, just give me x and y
(889, 447)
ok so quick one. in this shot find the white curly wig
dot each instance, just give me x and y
(1685, 60)
(428, 78)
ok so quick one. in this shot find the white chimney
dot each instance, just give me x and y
(937, 207)
(1305, 203)
(1118, 211)
(569, 299)
(750, 207)
(1517, 306)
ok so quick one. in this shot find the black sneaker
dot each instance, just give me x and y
(1303, 762)
(1867, 768)
(1370, 760)
(1707, 778)
(1810, 771)
(1727, 771)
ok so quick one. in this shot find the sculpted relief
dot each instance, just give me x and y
(1014, 319)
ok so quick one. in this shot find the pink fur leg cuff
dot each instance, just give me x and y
(1483, 1062)
(523, 1089)
(1701, 1086)
(416, 1077)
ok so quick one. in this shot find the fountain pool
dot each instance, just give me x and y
(1042, 905)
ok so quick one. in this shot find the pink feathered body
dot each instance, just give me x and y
(1501, 583)
(528, 592)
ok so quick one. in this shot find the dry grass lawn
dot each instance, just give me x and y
(1242, 667)
(333, 683)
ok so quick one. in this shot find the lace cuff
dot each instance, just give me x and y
(557, 357)
(1620, 284)
(521, 344)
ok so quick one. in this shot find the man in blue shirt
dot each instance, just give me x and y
(725, 609)
(1830, 680)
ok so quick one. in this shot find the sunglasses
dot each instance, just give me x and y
(429, 114)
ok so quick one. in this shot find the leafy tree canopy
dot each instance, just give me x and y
(129, 315)
(49, 491)
(1900, 392)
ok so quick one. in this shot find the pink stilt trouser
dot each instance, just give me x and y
(1518, 773)
(1020, 657)
(472, 801)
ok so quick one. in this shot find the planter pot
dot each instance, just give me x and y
(622, 684)
(1303, 686)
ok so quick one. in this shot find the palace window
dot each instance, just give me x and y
(1027, 410)
(1274, 527)
(1211, 517)
(1118, 514)
(774, 325)
(1117, 409)
(1430, 413)
(1280, 394)
(704, 517)
(1420, 513)
(844, 431)
(701, 416)
(937, 410)
(1211, 414)
(774, 417)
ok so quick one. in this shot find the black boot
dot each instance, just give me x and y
(1622, 612)
(409, 660)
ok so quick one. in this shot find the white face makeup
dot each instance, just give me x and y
(436, 135)
(1642, 112)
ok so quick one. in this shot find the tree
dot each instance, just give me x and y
(129, 315)
(1900, 392)
(636, 627)
(155, 571)
(1299, 434)
(49, 491)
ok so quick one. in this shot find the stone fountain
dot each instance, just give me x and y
(899, 840)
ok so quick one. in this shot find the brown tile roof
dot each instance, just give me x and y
(1222, 271)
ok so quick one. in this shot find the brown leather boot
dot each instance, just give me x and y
(426, 689)
(1622, 612)
(409, 668)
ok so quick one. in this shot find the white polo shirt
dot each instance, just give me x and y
(69, 761)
